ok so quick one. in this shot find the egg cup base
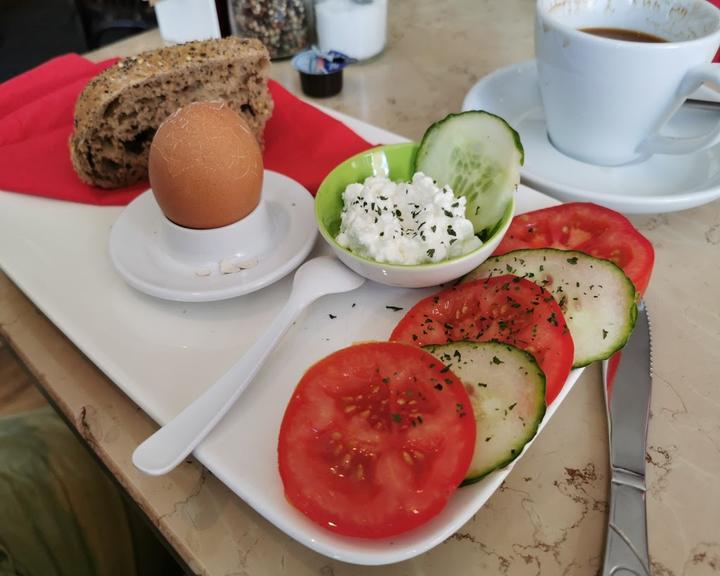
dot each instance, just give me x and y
(139, 252)
(248, 238)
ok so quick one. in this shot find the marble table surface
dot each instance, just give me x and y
(549, 516)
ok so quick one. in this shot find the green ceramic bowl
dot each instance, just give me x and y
(397, 160)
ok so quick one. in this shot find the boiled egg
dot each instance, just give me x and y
(205, 166)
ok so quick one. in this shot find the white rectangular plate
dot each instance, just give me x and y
(163, 354)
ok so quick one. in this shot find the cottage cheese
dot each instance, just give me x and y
(405, 223)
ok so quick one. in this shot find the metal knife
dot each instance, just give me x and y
(627, 397)
(702, 104)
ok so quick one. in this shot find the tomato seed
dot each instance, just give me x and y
(418, 455)
(401, 401)
(360, 472)
(408, 459)
(350, 408)
(336, 435)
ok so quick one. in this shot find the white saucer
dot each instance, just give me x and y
(662, 183)
(140, 256)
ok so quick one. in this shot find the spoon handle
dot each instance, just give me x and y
(172, 443)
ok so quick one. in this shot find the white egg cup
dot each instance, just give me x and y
(162, 259)
(246, 239)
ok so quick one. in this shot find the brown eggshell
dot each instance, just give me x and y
(205, 166)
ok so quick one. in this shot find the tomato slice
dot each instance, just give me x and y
(375, 440)
(589, 228)
(503, 308)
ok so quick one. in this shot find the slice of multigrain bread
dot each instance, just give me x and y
(118, 112)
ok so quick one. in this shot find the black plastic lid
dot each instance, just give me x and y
(321, 85)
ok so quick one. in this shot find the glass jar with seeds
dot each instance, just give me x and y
(284, 26)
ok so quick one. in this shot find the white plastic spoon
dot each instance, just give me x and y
(172, 443)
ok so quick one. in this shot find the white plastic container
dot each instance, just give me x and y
(185, 20)
(357, 28)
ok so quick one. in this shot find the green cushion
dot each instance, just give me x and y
(61, 515)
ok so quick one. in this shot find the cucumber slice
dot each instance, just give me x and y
(596, 297)
(507, 392)
(479, 156)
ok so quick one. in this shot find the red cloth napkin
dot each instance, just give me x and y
(36, 113)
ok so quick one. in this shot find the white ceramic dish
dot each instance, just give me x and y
(166, 261)
(162, 354)
(662, 183)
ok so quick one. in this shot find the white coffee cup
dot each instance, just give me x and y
(606, 100)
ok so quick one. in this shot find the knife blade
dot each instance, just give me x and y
(713, 105)
(627, 397)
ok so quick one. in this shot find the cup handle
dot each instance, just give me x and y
(659, 144)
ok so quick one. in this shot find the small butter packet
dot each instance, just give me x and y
(321, 72)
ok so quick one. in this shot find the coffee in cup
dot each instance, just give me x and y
(612, 73)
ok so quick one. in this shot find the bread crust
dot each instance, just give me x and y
(118, 112)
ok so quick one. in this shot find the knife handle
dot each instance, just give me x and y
(626, 544)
